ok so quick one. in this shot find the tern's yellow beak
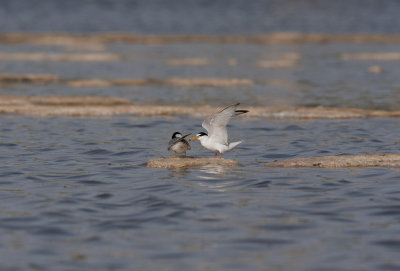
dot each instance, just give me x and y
(193, 138)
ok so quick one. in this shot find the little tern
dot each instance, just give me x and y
(178, 144)
(217, 138)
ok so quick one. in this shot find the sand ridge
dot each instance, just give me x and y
(94, 106)
(345, 161)
(183, 162)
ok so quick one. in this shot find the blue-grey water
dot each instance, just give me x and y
(319, 77)
(75, 193)
(201, 16)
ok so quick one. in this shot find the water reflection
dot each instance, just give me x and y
(178, 173)
(214, 171)
(61, 198)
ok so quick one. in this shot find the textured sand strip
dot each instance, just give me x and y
(217, 82)
(389, 56)
(77, 101)
(29, 78)
(350, 161)
(75, 40)
(188, 62)
(98, 82)
(92, 57)
(288, 60)
(317, 112)
(110, 106)
(177, 162)
(282, 63)
(176, 81)
(62, 101)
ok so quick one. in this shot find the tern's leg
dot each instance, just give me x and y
(174, 154)
(220, 155)
(185, 155)
(215, 155)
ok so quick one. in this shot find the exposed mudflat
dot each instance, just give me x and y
(29, 78)
(345, 161)
(60, 57)
(92, 106)
(174, 81)
(105, 38)
(183, 162)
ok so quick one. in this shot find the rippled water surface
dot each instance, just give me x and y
(75, 195)
(210, 17)
(317, 76)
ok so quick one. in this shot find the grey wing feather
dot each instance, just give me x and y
(220, 118)
(206, 124)
(188, 145)
(172, 142)
(216, 124)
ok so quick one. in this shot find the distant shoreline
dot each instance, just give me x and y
(94, 107)
(58, 38)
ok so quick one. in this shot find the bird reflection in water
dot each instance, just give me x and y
(215, 170)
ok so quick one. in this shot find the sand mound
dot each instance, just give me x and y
(29, 78)
(58, 57)
(382, 56)
(215, 82)
(188, 62)
(177, 162)
(97, 41)
(175, 81)
(348, 161)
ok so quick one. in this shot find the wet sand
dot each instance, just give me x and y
(174, 81)
(96, 40)
(379, 56)
(93, 106)
(29, 78)
(188, 62)
(100, 82)
(177, 162)
(348, 161)
(61, 57)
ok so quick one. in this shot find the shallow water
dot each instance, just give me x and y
(207, 17)
(319, 77)
(76, 195)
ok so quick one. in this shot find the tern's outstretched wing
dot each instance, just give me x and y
(216, 124)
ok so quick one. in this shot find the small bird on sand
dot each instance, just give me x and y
(178, 144)
(217, 138)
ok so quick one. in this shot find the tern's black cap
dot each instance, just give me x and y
(201, 134)
(176, 134)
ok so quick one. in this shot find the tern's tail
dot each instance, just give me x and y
(233, 144)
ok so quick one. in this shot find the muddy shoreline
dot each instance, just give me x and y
(93, 106)
(72, 40)
(346, 161)
(178, 162)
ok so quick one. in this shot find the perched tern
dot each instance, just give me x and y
(217, 138)
(178, 144)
